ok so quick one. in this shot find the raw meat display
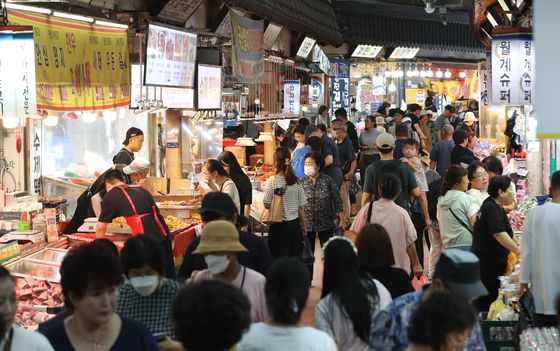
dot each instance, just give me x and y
(33, 297)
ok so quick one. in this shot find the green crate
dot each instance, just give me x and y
(498, 335)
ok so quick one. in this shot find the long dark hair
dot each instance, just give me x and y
(216, 166)
(282, 164)
(235, 171)
(351, 287)
(453, 176)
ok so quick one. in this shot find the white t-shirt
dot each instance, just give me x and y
(229, 188)
(24, 339)
(330, 318)
(262, 336)
(478, 196)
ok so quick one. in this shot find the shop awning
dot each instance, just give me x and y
(314, 18)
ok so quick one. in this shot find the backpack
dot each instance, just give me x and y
(434, 189)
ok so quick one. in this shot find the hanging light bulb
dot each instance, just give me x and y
(447, 74)
(10, 122)
(387, 73)
(89, 117)
(416, 73)
(51, 121)
(430, 74)
(439, 74)
(462, 74)
(257, 101)
(422, 73)
(410, 73)
(400, 73)
(392, 87)
(304, 108)
(110, 115)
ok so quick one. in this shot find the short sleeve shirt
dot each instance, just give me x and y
(441, 153)
(369, 138)
(462, 155)
(346, 152)
(123, 157)
(328, 148)
(293, 198)
(440, 122)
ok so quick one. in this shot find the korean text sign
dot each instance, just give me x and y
(78, 65)
(292, 93)
(247, 48)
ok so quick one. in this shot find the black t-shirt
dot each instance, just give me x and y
(461, 154)
(353, 135)
(124, 157)
(492, 219)
(346, 153)
(396, 280)
(328, 148)
(115, 204)
(257, 257)
(245, 189)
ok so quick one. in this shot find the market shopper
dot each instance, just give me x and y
(375, 256)
(379, 124)
(142, 215)
(219, 206)
(210, 315)
(342, 115)
(324, 203)
(350, 297)
(443, 120)
(402, 134)
(241, 180)
(298, 156)
(286, 290)
(220, 244)
(478, 178)
(330, 153)
(494, 167)
(398, 116)
(440, 157)
(368, 148)
(461, 154)
(323, 115)
(540, 266)
(428, 143)
(442, 322)
(14, 337)
(348, 163)
(458, 273)
(90, 276)
(132, 143)
(285, 238)
(146, 295)
(414, 111)
(217, 179)
(456, 212)
(398, 222)
(493, 238)
(468, 124)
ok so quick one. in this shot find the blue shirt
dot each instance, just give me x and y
(398, 152)
(389, 328)
(298, 161)
(441, 153)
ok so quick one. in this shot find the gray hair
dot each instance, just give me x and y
(340, 125)
(447, 129)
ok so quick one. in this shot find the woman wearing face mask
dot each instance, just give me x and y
(217, 179)
(90, 276)
(298, 156)
(146, 296)
(324, 203)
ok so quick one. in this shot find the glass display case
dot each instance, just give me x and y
(201, 139)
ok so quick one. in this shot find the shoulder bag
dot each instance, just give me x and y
(275, 213)
(463, 224)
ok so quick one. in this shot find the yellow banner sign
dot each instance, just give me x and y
(78, 65)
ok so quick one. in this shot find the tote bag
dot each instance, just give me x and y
(275, 213)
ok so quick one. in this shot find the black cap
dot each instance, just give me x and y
(132, 132)
(450, 108)
(219, 203)
(413, 107)
(460, 270)
(341, 112)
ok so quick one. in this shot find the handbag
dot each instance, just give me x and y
(307, 255)
(275, 213)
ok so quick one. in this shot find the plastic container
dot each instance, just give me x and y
(498, 335)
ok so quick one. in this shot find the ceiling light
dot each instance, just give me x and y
(505, 8)
(51, 121)
(400, 73)
(439, 74)
(430, 74)
(429, 7)
(110, 115)
(493, 16)
(10, 5)
(111, 24)
(415, 73)
(392, 87)
(304, 108)
(89, 117)
(409, 73)
(423, 73)
(10, 122)
(73, 17)
(257, 101)
(462, 74)
(357, 76)
(244, 141)
(387, 73)
(447, 74)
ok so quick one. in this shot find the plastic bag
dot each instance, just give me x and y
(418, 283)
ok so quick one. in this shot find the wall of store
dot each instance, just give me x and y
(14, 159)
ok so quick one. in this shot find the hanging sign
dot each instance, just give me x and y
(7, 76)
(292, 92)
(79, 65)
(317, 89)
(512, 69)
(484, 83)
(35, 157)
(339, 93)
(321, 59)
(247, 48)
(339, 69)
(270, 35)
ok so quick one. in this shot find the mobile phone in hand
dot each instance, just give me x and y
(159, 336)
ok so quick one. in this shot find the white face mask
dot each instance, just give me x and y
(145, 285)
(309, 170)
(216, 264)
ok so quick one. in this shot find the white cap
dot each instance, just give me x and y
(406, 119)
(470, 117)
(139, 165)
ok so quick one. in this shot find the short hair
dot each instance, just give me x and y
(412, 142)
(314, 143)
(341, 112)
(374, 247)
(322, 109)
(114, 175)
(493, 165)
(303, 122)
(286, 290)
(89, 265)
(459, 136)
(555, 180)
(498, 183)
(317, 157)
(213, 165)
(210, 315)
(441, 314)
(140, 250)
(300, 129)
(449, 108)
(340, 124)
(473, 167)
(447, 129)
(389, 186)
(322, 128)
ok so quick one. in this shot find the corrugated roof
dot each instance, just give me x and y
(314, 18)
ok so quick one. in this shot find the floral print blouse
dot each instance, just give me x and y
(323, 203)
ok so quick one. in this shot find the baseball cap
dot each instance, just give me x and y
(460, 270)
(406, 119)
(219, 203)
(132, 132)
(219, 236)
(426, 112)
(450, 108)
(139, 165)
(385, 141)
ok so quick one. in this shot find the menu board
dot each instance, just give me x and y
(170, 57)
(209, 92)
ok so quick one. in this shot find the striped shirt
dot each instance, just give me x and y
(293, 199)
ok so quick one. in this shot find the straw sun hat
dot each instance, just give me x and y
(219, 236)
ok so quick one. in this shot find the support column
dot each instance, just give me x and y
(269, 146)
(173, 154)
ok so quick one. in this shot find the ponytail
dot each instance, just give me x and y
(282, 164)
(389, 186)
(453, 176)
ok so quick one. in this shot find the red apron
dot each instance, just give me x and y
(135, 221)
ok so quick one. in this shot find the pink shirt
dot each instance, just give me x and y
(398, 224)
(252, 286)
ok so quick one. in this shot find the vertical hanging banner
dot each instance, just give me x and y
(513, 71)
(247, 48)
(292, 93)
(339, 72)
(317, 89)
(7, 75)
(78, 65)
(483, 81)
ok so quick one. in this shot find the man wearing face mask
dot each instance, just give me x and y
(146, 295)
(220, 244)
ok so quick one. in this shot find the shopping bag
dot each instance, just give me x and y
(275, 213)
(418, 283)
(307, 255)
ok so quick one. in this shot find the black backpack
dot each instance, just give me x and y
(434, 190)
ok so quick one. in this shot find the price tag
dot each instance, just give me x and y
(52, 228)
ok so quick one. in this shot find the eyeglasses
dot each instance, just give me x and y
(335, 129)
(481, 175)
